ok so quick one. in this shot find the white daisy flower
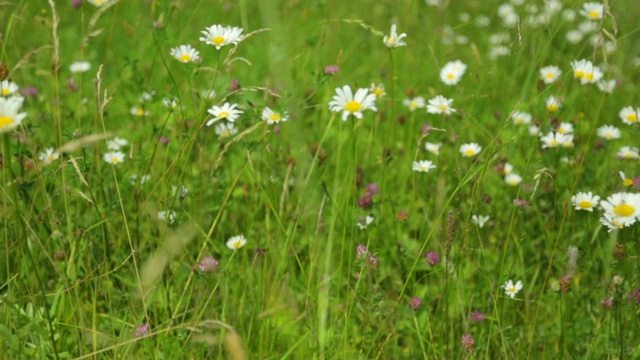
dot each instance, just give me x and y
(98, 3)
(521, 117)
(10, 117)
(513, 179)
(272, 117)
(8, 88)
(507, 169)
(629, 115)
(553, 139)
(377, 90)
(171, 103)
(422, 166)
(625, 180)
(224, 130)
(627, 152)
(116, 143)
(219, 36)
(606, 86)
(511, 289)
(433, 148)
(226, 111)
(394, 40)
(138, 111)
(236, 242)
(592, 10)
(364, 222)
(452, 72)
(612, 222)
(534, 130)
(417, 102)
(585, 201)
(623, 207)
(80, 67)
(114, 157)
(565, 128)
(470, 149)
(344, 101)
(574, 36)
(609, 132)
(167, 215)
(440, 105)
(550, 74)
(185, 54)
(49, 156)
(553, 104)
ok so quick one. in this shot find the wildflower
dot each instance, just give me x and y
(624, 207)
(627, 152)
(331, 69)
(452, 72)
(344, 101)
(8, 88)
(553, 139)
(135, 178)
(521, 118)
(511, 289)
(377, 90)
(226, 111)
(585, 201)
(373, 188)
(468, 343)
(574, 36)
(185, 54)
(142, 330)
(422, 166)
(414, 103)
(609, 132)
(480, 220)
(361, 252)
(272, 117)
(171, 103)
(634, 296)
(415, 303)
(373, 261)
(225, 130)
(625, 180)
(236, 242)
(208, 94)
(168, 216)
(116, 143)
(550, 74)
(10, 118)
(394, 40)
(366, 202)
(629, 115)
(581, 67)
(513, 179)
(29, 91)
(553, 104)
(403, 215)
(565, 128)
(180, 191)
(114, 157)
(219, 36)
(534, 130)
(611, 222)
(208, 264)
(364, 222)
(80, 67)
(469, 150)
(432, 258)
(521, 203)
(607, 303)
(138, 111)
(49, 156)
(433, 148)
(592, 10)
(440, 105)
(477, 316)
(606, 86)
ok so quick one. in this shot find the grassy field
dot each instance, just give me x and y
(300, 182)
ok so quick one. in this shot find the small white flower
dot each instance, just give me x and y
(513, 179)
(470, 150)
(550, 74)
(592, 10)
(135, 179)
(236, 242)
(574, 36)
(224, 130)
(80, 67)
(511, 289)
(49, 156)
(185, 54)
(364, 222)
(138, 111)
(565, 128)
(440, 105)
(609, 132)
(219, 36)
(226, 111)
(606, 86)
(116, 143)
(553, 139)
(171, 103)
(98, 3)
(625, 180)
(433, 148)
(377, 90)
(480, 220)
(10, 117)
(422, 166)
(534, 130)
(394, 40)
(627, 152)
(452, 72)
(414, 103)
(629, 115)
(553, 104)
(167, 215)
(521, 118)
(114, 157)
(349, 104)
(272, 117)
(8, 88)
(585, 201)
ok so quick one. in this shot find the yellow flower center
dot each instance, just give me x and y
(115, 160)
(378, 92)
(353, 106)
(237, 244)
(51, 157)
(632, 117)
(562, 130)
(627, 182)
(442, 107)
(553, 143)
(6, 121)
(6, 91)
(552, 107)
(391, 40)
(470, 152)
(624, 210)
(585, 204)
(423, 168)
(608, 135)
(413, 105)
(512, 289)
(578, 73)
(275, 117)
(225, 133)
(628, 155)
(223, 114)
(450, 76)
(218, 40)
(588, 76)
(513, 182)
(185, 58)
(140, 111)
(594, 14)
(549, 76)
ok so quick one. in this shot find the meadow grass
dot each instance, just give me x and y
(349, 254)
